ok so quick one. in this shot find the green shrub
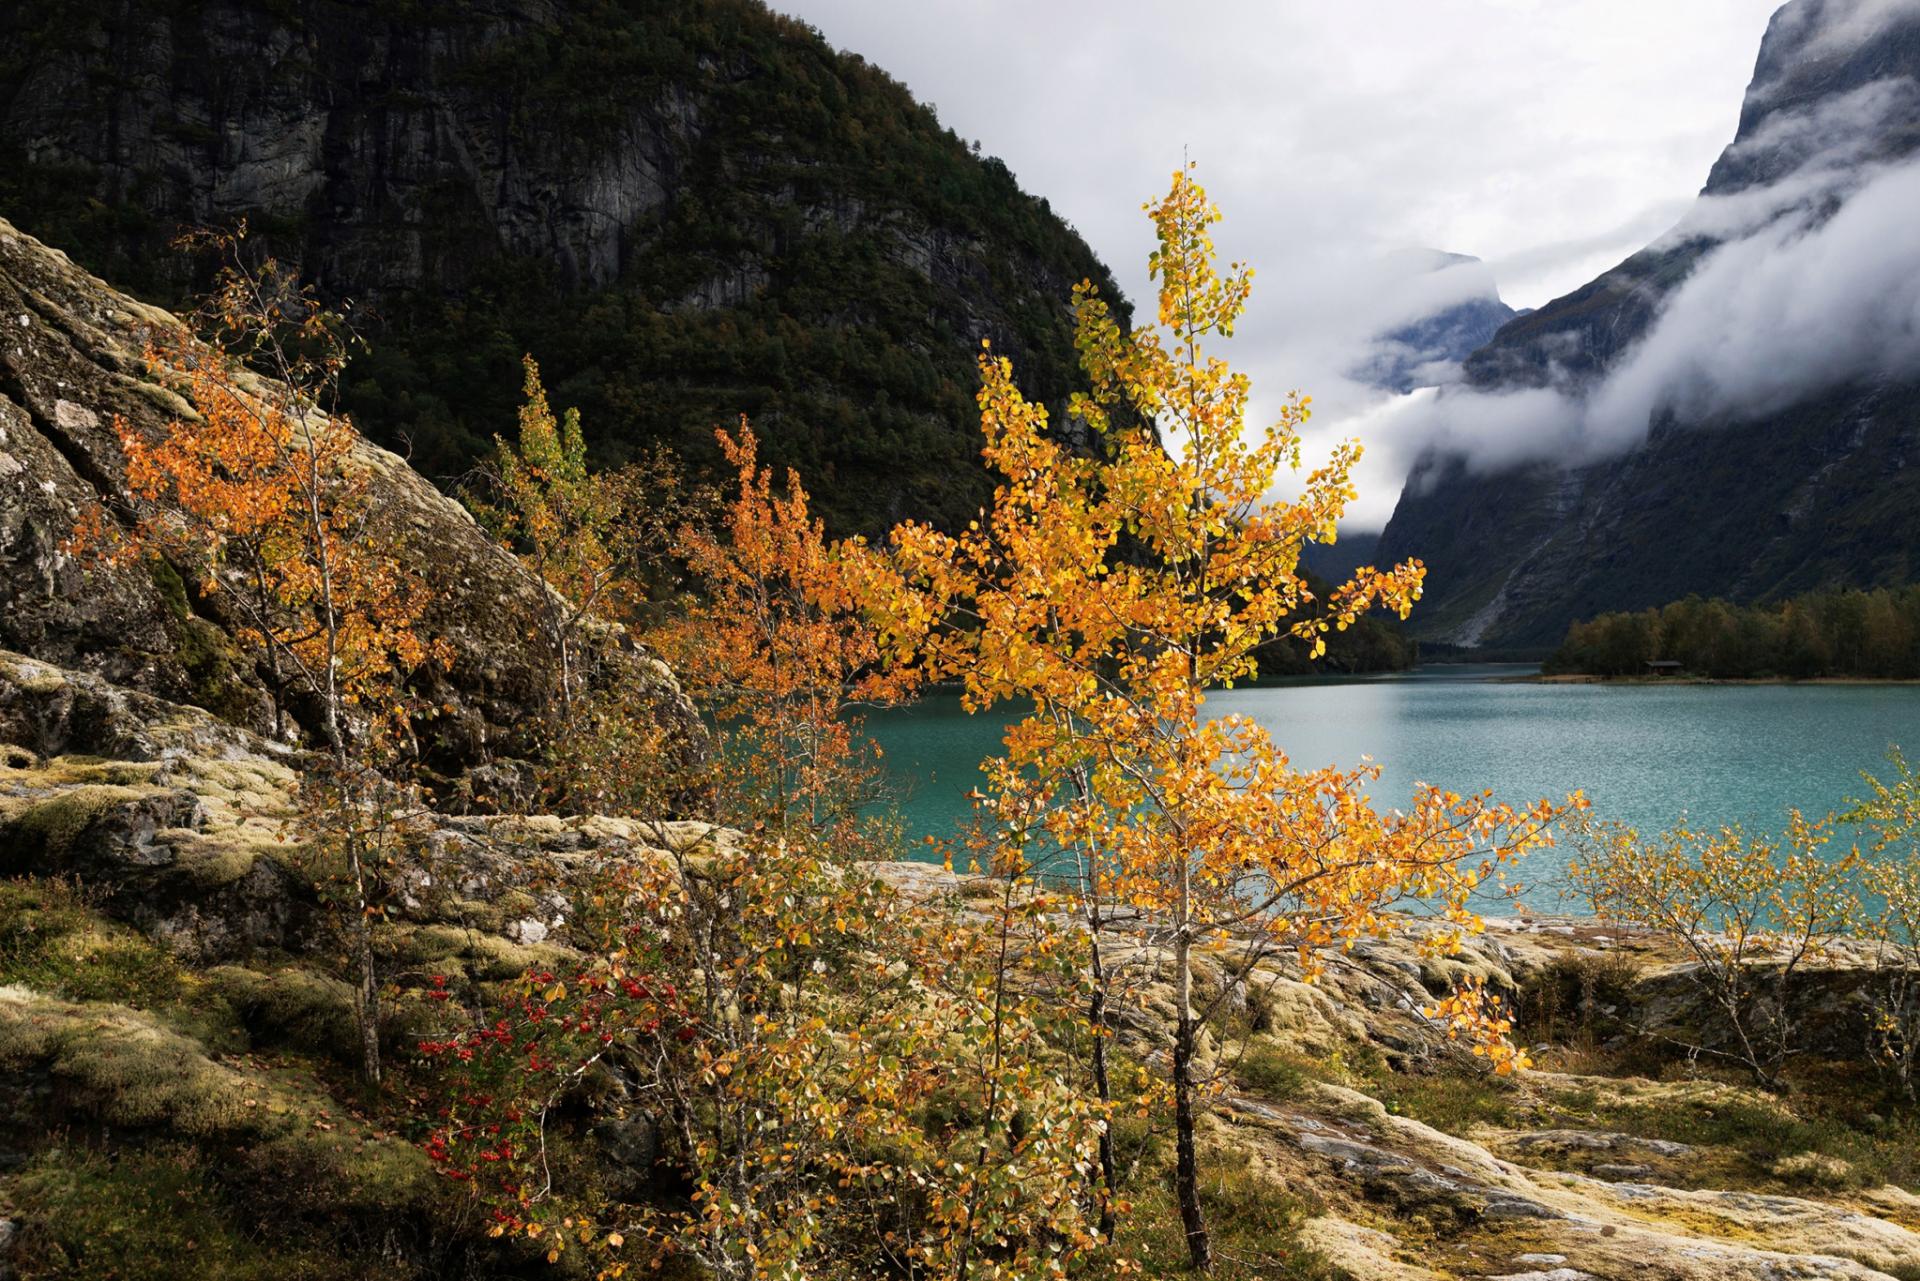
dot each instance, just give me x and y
(1578, 1000)
(1273, 1073)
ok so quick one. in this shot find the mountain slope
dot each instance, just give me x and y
(687, 209)
(1752, 498)
(1421, 352)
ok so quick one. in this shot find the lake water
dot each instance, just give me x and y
(1645, 753)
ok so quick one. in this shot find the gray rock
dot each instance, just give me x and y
(1616, 1172)
(97, 831)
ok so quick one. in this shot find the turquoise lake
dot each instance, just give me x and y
(1645, 753)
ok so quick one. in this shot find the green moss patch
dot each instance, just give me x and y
(146, 1216)
(49, 828)
(1275, 1073)
(52, 942)
(1832, 1133)
(290, 1007)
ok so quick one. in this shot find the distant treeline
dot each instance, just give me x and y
(1374, 643)
(1836, 633)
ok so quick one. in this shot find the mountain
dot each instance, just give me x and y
(686, 209)
(1464, 311)
(1731, 411)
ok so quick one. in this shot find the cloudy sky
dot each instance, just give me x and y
(1549, 137)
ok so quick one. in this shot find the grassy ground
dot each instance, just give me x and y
(1254, 1224)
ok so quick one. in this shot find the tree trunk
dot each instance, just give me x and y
(1097, 1021)
(369, 1006)
(1186, 1158)
(367, 999)
(1103, 1090)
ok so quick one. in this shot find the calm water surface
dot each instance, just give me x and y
(1643, 753)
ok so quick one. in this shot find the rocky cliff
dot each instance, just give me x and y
(686, 210)
(1786, 480)
(70, 363)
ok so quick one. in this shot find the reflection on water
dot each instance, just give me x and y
(1645, 753)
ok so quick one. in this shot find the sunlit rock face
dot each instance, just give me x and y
(1686, 431)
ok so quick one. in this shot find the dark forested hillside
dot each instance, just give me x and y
(687, 209)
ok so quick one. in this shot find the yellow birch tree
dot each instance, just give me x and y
(1114, 588)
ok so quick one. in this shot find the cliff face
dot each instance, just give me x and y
(1812, 491)
(687, 210)
(70, 363)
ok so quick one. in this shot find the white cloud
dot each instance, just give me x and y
(1794, 308)
(1549, 137)
(1813, 299)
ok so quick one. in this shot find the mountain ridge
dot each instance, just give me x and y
(686, 210)
(1752, 505)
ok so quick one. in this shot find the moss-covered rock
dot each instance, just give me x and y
(96, 830)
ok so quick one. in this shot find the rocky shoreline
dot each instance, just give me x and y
(163, 829)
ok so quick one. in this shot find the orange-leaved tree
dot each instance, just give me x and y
(775, 648)
(849, 1080)
(259, 493)
(1113, 587)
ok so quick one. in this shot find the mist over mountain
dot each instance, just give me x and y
(1734, 409)
(1428, 350)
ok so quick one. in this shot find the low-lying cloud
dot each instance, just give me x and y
(1788, 311)
(1809, 282)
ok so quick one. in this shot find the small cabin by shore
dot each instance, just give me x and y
(1663, 667)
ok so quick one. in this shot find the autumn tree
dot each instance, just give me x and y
(774, 646)
(568, 525)
(851, 1081)
(1890, 920)
(1113, 587)
(261, 494)
(1750, 909)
